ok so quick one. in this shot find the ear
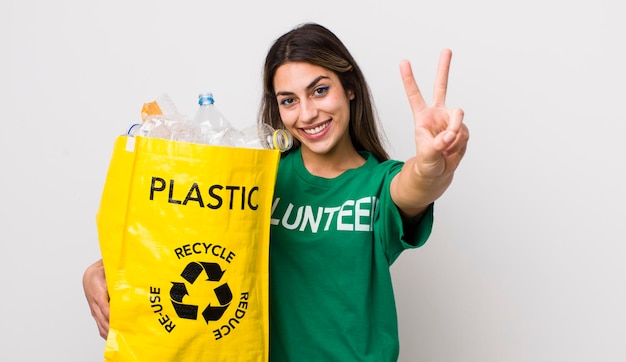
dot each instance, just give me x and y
(350, 94)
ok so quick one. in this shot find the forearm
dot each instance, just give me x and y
(413, 193)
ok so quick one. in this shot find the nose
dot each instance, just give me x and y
(308, 111)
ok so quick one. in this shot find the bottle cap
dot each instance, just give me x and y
(205, 97)
(282, 140)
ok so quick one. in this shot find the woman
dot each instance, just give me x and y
(342, 211)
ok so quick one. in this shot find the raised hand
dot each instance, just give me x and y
(440, 143)
(440, 135)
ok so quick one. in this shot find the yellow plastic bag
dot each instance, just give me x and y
(184, 236)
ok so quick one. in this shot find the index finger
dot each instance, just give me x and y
(441, 78)
(413, 93)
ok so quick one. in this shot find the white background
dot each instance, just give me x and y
(526, 260)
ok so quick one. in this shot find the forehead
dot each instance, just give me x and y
(294, 76)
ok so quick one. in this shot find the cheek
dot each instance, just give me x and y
(287, 117)
(338, 104)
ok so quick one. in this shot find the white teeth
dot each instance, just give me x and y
(317, 129)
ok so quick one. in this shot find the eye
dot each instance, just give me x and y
(286, 102)
(320, 91)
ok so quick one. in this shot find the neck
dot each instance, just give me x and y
(333, 163)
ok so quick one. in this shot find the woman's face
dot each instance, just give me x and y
(313, 106)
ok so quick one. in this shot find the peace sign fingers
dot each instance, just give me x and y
(416, 100)
(441, 79)
(413, 92)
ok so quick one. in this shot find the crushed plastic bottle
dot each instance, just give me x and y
(160, 119)
(261, 136)
(162, 105)
(167, 127)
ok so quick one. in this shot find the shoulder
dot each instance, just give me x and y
(385, 167)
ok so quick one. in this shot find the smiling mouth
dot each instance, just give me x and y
(316, 130)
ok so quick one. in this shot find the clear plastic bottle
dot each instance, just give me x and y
(174, 128)
(161, 119)
(209, 123)
(208, 126)
(261, 136)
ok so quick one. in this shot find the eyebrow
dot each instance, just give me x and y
(308, 87)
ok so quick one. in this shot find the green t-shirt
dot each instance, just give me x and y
(332, 242)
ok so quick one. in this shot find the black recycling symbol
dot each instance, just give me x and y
(190, 274)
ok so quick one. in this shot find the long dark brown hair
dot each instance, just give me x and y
(315, 44)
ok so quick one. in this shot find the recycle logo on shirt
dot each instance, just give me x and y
(191, 275)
